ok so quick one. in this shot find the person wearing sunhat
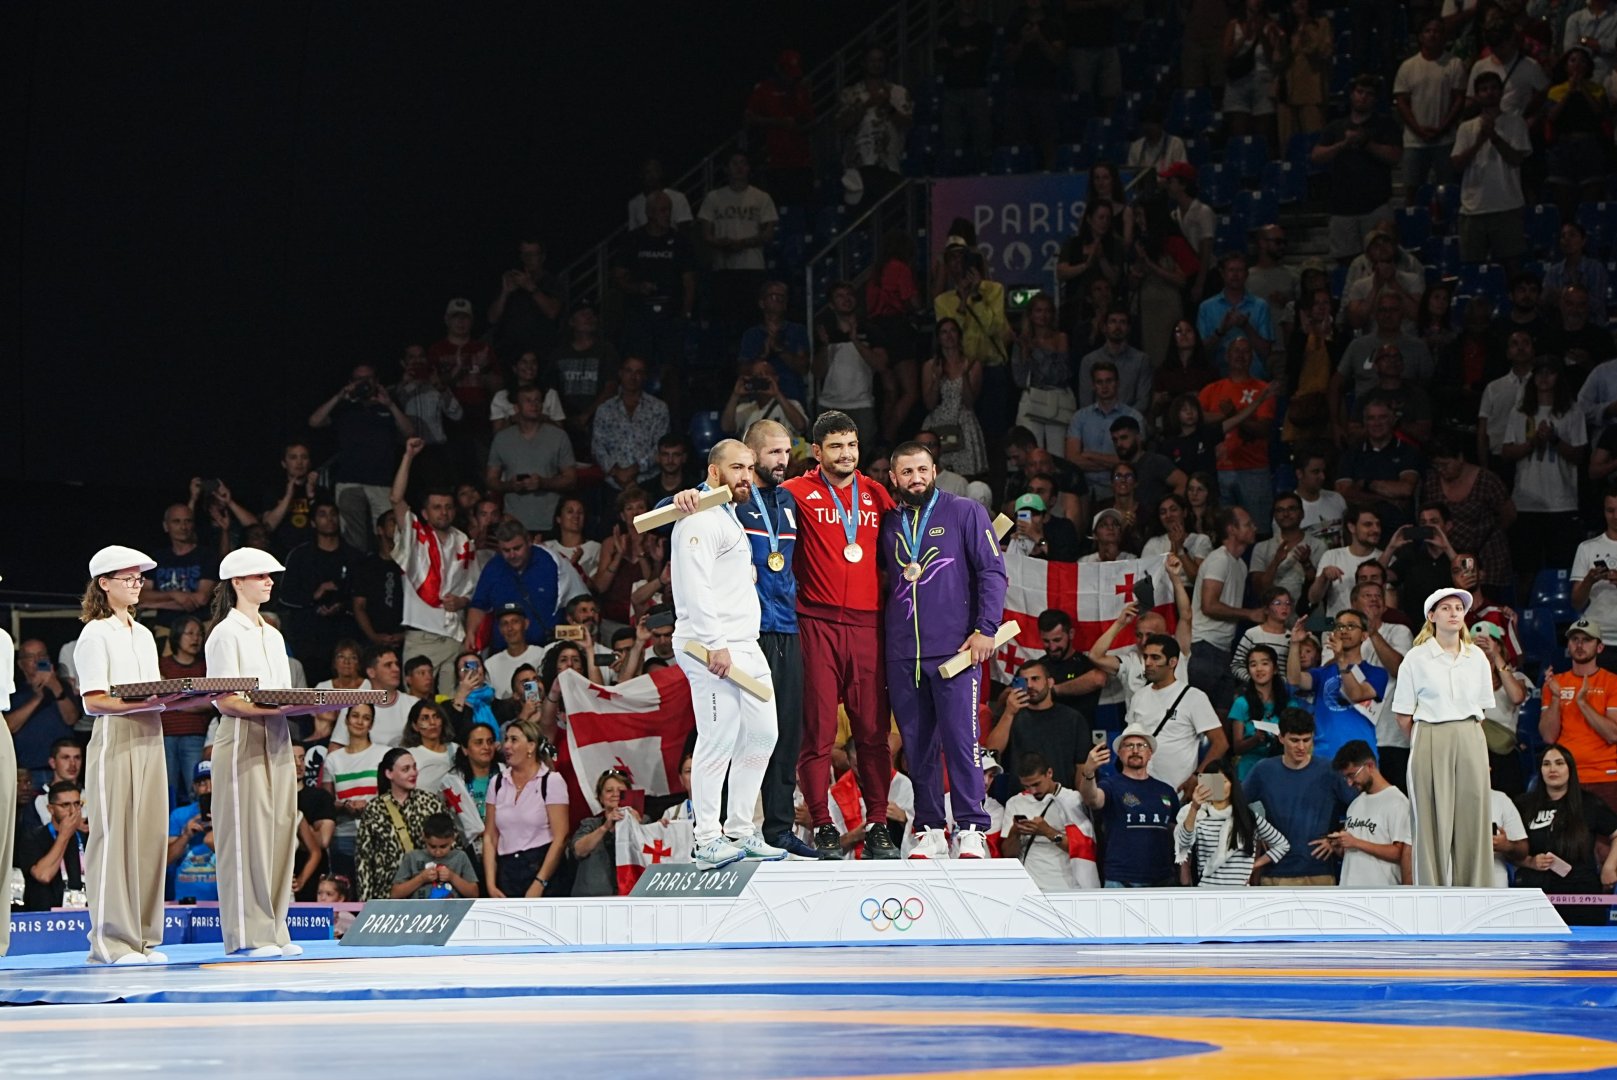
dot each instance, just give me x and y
(1444, 687)
(127, 800)
(255, 784)
(1138, 813)
(1107, 529)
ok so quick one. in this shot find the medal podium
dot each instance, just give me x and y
(989, 901)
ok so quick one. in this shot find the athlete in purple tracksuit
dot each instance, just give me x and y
(945, 586)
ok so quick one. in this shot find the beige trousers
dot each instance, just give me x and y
(255, 813)
(126, 804)
(8, 828)
(437, 648)
(1449, 799)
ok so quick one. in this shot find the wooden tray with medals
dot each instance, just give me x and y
(190, 687)
(331, 699)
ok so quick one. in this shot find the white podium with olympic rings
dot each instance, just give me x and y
(989, 901)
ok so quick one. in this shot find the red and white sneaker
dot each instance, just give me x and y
(931, 844)
(971, 844)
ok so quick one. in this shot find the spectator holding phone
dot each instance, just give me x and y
(757, 395)
(1136, 811)
(594, 841)
(1033, 723)
(1216, 844)
(369, 425)
(1594, 580)
(1046, 826)
(1303, 797)
(1376, 838)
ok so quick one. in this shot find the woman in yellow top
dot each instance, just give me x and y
(978, 306)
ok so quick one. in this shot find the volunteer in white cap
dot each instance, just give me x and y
(127, 798)
(255, 786)
(1444, 687)
(8, 772)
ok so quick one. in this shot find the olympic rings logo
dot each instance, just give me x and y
(891, 913)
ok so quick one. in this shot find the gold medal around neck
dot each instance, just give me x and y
(912, 572)
(853, 553)
(776, 561)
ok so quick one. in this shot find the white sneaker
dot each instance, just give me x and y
(155, 957)
(291, 948)
(971, 844)
(259, 952)
(931, 844)
(130, 960)
(757, 850)
(716, 853)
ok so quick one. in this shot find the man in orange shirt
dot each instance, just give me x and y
(1244, 478)
(838, 604)
(1580, 712)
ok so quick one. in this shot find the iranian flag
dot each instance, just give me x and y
(1092, 593)
(642, 844)
(638, 728)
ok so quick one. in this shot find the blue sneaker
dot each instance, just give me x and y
(796, 849)
(716, 853)
(757, 850)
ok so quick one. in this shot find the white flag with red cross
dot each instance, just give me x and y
(637, 728)
(643, 844)
(1091, 593)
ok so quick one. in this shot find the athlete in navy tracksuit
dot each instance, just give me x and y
(773, 539)
(945, 586)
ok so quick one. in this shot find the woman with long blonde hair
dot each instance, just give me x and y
(1444, 687)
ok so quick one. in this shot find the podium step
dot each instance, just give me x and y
(978, 902)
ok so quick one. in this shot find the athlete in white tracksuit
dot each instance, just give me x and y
(716, 605)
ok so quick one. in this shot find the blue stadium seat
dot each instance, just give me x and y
(1483, 279)
(1287, 183)
(1126, 113)
(1198, 153)
(1231, 234)
(705, 432)
(1553, 585)
(1073, 157)
(1338, 280)
(1218, 186)
(1414, 225)
(1008, 160)
(1247, 155)
(1543, 228)
(1191, 112)
(1298, 149)
(1256, 208)
(1535, 628)
(1595, 218)
(1098, 131)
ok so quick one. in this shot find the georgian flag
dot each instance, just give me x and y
(642, 844)
(458, 797)
(639, 728)
(1092, 593)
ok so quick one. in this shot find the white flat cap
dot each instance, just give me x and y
(245, 562)
(117, 557)
(1443, 594)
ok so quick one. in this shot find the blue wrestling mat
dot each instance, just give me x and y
(1299, 1010)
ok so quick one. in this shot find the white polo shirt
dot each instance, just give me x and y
(1435, 687)
(110, 653)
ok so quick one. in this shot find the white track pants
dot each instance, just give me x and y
(735, 734)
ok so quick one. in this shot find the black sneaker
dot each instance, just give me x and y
(828, 842)
(878, 844)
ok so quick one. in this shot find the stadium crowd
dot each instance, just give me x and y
(1314, 445)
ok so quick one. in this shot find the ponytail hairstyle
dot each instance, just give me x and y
(224, 600)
